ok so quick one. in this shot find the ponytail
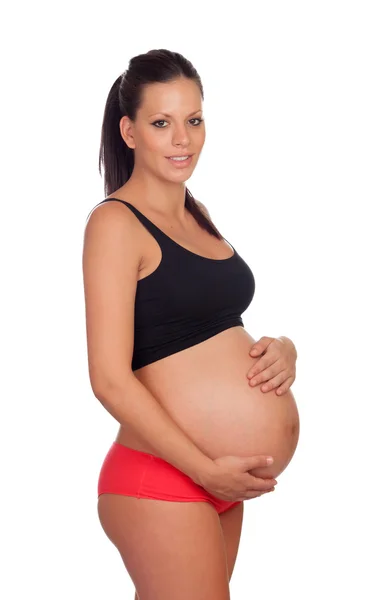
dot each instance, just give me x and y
(116, 156)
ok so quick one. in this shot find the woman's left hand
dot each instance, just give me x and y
(276, 364)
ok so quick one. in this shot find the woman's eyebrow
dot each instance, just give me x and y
(167, 115)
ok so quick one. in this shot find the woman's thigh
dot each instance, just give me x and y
(171, 550)
(231, 521)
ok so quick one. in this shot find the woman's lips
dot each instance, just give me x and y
(180, 164)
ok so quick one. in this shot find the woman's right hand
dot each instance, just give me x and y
(229, 478)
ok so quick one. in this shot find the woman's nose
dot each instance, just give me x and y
(180, 137)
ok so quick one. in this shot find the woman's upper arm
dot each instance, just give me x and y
(111, 259)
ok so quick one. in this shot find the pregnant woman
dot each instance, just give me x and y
(168, 354)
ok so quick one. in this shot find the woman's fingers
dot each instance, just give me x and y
(250, 495)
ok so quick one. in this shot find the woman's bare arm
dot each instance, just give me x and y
(111, 259)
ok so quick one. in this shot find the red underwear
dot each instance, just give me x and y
(134, 473)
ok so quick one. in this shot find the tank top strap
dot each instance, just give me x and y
(156, 232)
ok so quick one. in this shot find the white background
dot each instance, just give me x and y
(293, 175)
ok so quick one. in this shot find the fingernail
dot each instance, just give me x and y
(270, 460)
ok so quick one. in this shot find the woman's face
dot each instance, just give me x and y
(169, 123)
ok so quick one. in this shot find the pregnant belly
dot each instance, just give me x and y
(206, 391)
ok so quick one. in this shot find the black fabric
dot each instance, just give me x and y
(187, 299)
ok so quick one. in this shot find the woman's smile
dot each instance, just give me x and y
(180, 164)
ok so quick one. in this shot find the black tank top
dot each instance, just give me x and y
(187, 299)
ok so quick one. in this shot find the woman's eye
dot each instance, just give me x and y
(163, 121)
